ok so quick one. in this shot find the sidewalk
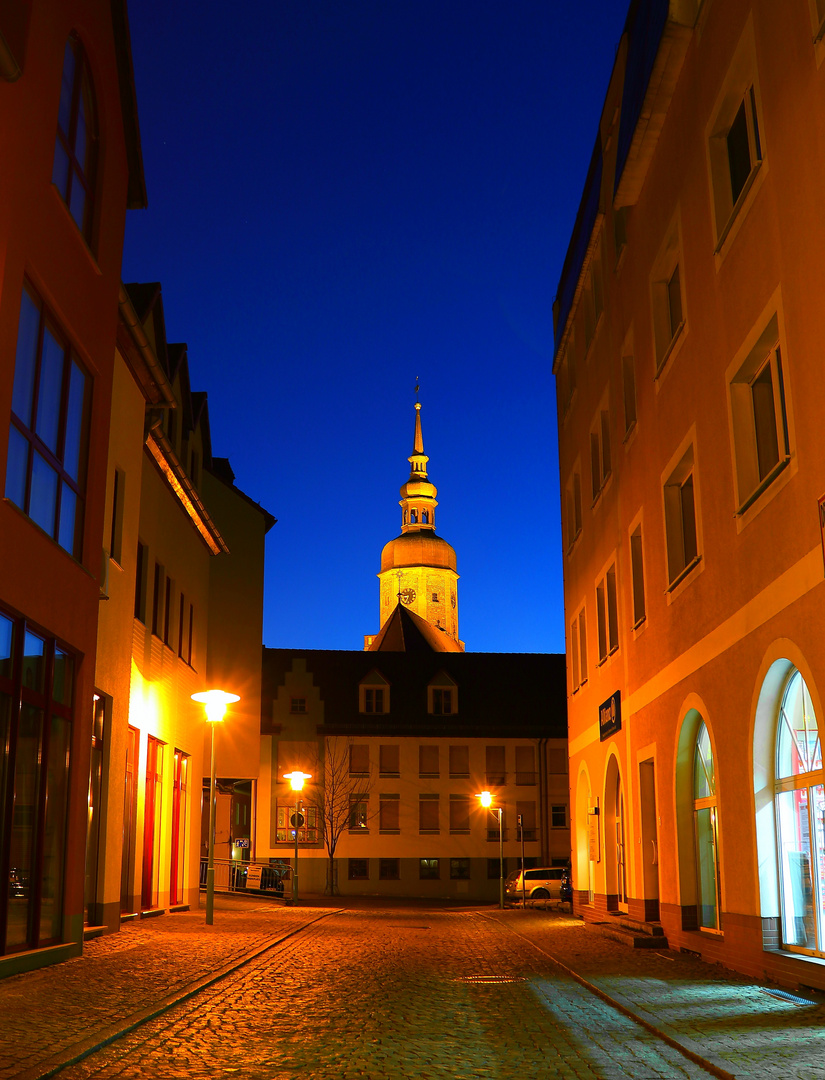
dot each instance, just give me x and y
(50, 1016)
(711, 1012)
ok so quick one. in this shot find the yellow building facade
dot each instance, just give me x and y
(689, 415)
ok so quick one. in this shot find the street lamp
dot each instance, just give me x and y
(296, 780)
(215, 702)
(487, 801)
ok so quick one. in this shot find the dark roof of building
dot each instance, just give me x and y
(404, 631)
(498, 694)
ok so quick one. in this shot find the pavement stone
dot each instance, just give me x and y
(356, 989)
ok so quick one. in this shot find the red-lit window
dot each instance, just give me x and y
(75, 152)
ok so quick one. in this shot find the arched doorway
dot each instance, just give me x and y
(615, 838)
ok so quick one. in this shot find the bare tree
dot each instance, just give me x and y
(344, 775)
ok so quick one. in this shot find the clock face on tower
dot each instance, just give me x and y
(407, 595)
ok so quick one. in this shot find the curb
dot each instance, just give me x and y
(109, 1033)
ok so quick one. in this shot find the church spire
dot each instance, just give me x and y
(418, 501)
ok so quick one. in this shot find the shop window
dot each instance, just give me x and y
(49, 432)
(607, 614)
(177, 871)
(460, 869)
(759, 417)
(75, 152)
(706, 832)
(800, 820)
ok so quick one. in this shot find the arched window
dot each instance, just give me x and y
(425, 517)
(705, 832)
(413, 517)
(800, 819)
(75, 152)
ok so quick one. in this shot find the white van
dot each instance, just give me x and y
(542, 883)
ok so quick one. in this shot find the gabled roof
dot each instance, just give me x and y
(513, 694)
(405, 631)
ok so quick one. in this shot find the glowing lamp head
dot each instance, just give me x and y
(296, 779)
(215, 702)
(486, 798)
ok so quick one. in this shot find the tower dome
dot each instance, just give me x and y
(418, 567)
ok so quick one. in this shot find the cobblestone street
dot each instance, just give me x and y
(417, 991)
(393, 994)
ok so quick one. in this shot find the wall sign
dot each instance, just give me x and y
(610, 716)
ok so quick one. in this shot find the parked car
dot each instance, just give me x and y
(540, 883)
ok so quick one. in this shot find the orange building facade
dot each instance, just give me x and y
(690, 398)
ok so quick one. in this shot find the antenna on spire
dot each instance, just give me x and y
(416, 388)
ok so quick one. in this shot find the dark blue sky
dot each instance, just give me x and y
(345, 195)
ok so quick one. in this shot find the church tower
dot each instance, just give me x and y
(418, 568)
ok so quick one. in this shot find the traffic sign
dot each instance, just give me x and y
(296, 821)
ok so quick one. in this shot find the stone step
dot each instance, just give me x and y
(636, 935)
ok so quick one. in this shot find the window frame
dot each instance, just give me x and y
(668, 331)
(607, 613)
(682, 557)
(82, 88)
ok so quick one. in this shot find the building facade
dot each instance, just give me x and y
(400, 739)
(689, 417)
(70, 127)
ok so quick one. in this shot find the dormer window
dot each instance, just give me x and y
(442, 695)
(374, 695)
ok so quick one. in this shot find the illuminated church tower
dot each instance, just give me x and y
(418, 568)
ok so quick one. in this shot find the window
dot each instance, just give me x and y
(526, 815)
(558, 816)
(706, 832)
(358, 811)
(285, 831)
(735, 151)
(374, 694)
(359, 759)
(525, 765)
(494, 869)
(600, 467)
(496, 772)
(358, 869)
(140, 582)
(428, 814)
(191, 634)
(759, 417)
(459, 814)
(116, 529)
(298, 706)
(49, 432)
(607, 614)
(578, 650)
(388, 813)
(388, 870)
(667, 297)
(460, 869)
(373, 700)
(620, 230)
(36, 714)
(638, 576)
(818, 16)
(573, 503)
(459, 762)
(592, 297)
(629, 391)
(157, 600)
(566, 376)
(167, 613)
(428, 761)
(388, 763)
(428, 869)
(680, 520)
(800, 819)
(442, 702)
(181, 625)
(75, 151)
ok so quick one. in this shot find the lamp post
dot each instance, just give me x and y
(215, 702)
(296, 781)
(487, 801)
